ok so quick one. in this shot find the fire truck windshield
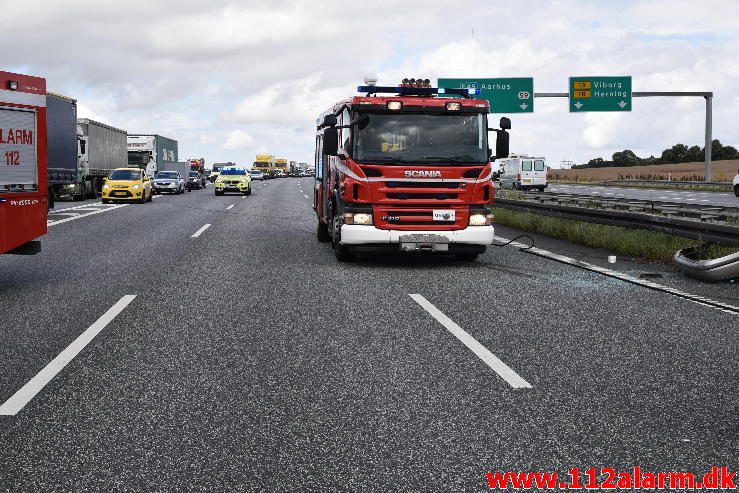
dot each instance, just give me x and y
(422, 139)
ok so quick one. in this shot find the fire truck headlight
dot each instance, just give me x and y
(395, 105)
(363, 219)
(480, 219)
(360, 218)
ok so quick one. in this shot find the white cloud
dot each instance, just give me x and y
(238, 139)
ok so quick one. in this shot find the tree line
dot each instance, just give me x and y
(679, 153)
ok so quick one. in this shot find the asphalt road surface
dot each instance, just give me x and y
(722, 199)
(138, 355)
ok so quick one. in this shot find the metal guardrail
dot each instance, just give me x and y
(719, 184)
(723, 234)
(665, 207)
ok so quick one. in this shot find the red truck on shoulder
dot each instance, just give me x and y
(406, 168)
(23, 163)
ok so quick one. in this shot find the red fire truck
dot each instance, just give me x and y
(407, 168)
(23, 180)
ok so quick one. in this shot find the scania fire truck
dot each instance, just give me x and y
(406, 168)
(23, 163)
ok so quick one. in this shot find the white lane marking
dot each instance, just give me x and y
(232, 205)
(71, 211)
(305, 196)
(79, 216)
(505, 372)
(94, 204)
(200, 231)
(540, 252)
(243, 197)
(37, 383)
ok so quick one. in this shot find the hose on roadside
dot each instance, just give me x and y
(522, 249)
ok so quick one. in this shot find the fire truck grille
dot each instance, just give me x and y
(422, 184)
(436, 196)
(434, 193)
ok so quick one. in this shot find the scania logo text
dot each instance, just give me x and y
(423, 174)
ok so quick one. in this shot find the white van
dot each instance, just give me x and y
(520, 172)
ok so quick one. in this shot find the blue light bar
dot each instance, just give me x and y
(419, 91)
(468, 90)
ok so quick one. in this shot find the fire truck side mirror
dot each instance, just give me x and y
(502, 144)
(329, 121)
(505, 123)
(330, 141)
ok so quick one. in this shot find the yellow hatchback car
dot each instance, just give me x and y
(127, 184)
(233, 179)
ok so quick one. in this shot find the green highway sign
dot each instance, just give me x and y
(506, 95)
(600, 94)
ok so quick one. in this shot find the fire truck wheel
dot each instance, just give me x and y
(322, 233)
(467, 257)
(343, 253)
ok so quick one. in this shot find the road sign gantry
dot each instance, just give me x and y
(600, 94)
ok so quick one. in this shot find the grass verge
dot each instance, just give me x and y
(629, 242)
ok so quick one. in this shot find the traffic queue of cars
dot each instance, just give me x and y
(133, 184)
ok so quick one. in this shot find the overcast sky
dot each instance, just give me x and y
(229, 80)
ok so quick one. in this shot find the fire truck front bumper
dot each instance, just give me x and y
(417, 240)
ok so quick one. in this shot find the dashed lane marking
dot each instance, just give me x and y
(231, 206)
(200, 231)
(505, 372)
(23, 396)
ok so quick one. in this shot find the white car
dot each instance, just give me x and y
(256, 174)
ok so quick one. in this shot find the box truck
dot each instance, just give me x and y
(150, 151)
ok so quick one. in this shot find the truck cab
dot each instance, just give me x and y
(408, 171)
